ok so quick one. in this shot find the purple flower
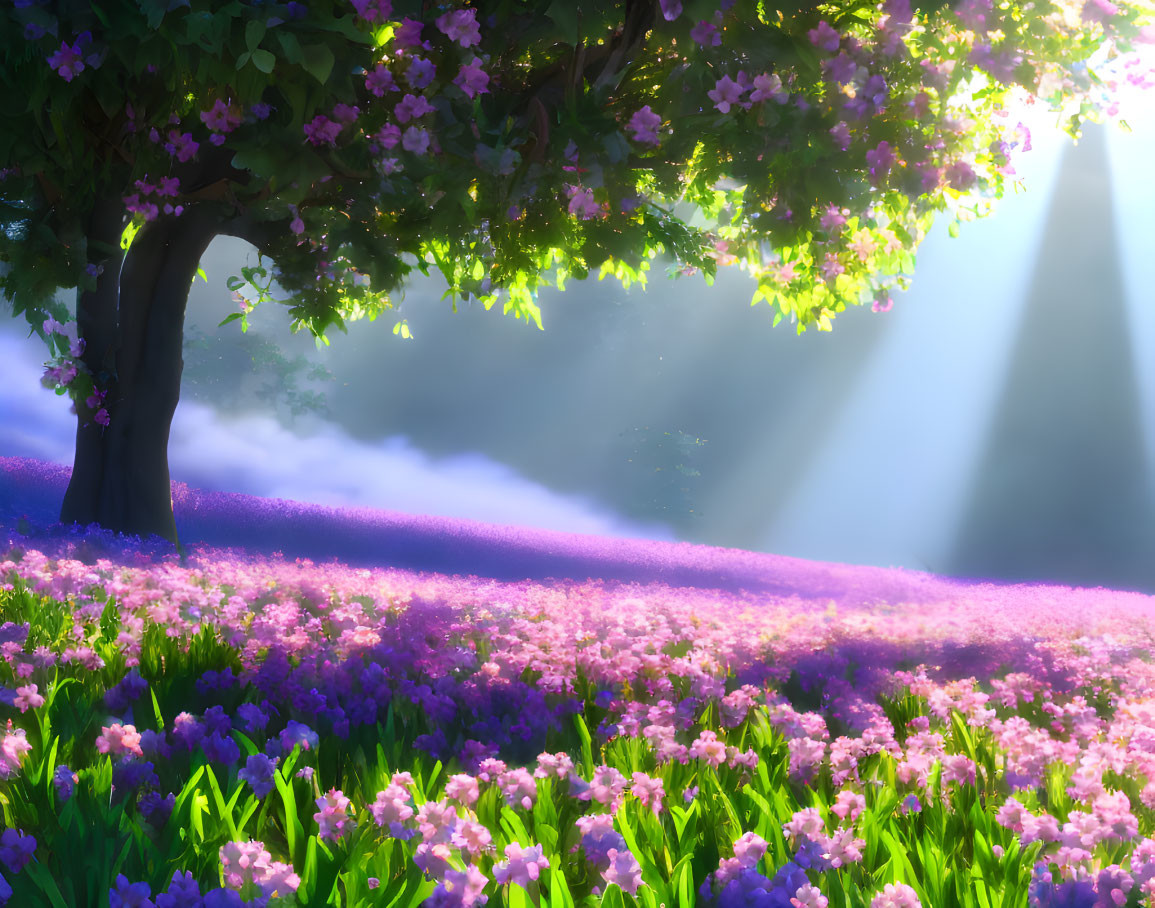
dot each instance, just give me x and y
(379, 81)
(183, 892)
(181, 145)
(261, 110)
(420, 73)
(471, 79)
(68, 61)
(298, 733)
(221, 749)
(156, 809)
(411, 107)
(322, 131)
(520, 865)
(258, 772)
(726, 92)
(33, 32)
(408, 35)
(125, 895)
(880, 159)
(64, 779)
(644, 124)
(131, 774)
(460, 26)
(671, 9)
(372, 10)
(255, 720)
(16, 849)
(960, 176)
(706, 34)
(825, 37)
(841, 69)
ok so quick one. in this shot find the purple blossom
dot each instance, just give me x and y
(471, 79)
(841, 69)
(388, 136)
(726, 92)
(380, 80)
(420, 72)
(64, 779)
(298, 733)
(322, 131)
(67, 62)
(624, 870)
(411, 107)
(16, 849)
(644, 124)
(706, 34)
(126, 895)
(260, 109)
(460, 26)
(840, 132)
(181, 145)
(372, 10)
(409, 35)
(415, 139)
(671, 9)
(880, 159)
(769, 85)
(183, 892)
(520, 865)
(960, 176)
(221, 749)
(825, 37)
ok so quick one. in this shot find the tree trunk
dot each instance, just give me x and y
(133, 326)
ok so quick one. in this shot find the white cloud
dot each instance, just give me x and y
(256, 455)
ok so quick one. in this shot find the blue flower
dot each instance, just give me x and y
(126, 895)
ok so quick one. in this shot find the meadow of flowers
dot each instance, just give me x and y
(240, 728)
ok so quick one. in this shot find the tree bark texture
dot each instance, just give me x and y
(133, 326)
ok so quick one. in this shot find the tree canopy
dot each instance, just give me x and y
(514, 143)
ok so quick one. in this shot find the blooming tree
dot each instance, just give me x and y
(510, 143)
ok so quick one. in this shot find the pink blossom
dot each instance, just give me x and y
(472, 837)
(809, 896)
(707, 747)
(958, 768)
(624, 870)
(644, 124)
(518, 788)
(463, 788)
(460, 26)
(520, 865)
(582, 202)
(14, 746)
(606, 787)
(332, 817)
(896, 895)
(749, 850)
(27, 698)
(559, 764)
(832, 267)
(649, 792)
(464, 888)
(848, 802)
(843, 848)
(117, 739)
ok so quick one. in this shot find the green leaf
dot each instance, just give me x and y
(559, 894)
(565, 15)
(264, 61)
(318, 61)
(254, 32)
(44, 881)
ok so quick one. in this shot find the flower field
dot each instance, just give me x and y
(242, 728)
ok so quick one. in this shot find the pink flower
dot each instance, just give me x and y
(472, 837)
(410, 107)
(649, 792)
(896, 895)
(725, 93)
(624, 870)
(644, 124)
(27, 698)
(463, 886)
(117, 739)
(707, 747)
(606, 787)
(809, 896)
(749, 850)
(472, 79)
(462, 788)
(460, 26)
(706, 34)
(832, 267)
(332, 818)
(67, 62)
(843, 848)
(518, 788)
(520, 865)
(559, 764)
(825, 37)
(582, 202)
(14, 746)
(958, 768)
(848, 802)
